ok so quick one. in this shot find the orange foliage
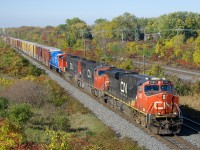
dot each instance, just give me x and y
(186, 64)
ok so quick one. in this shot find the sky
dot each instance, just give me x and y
(16, 13)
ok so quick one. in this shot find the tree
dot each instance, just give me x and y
(196, 55)
(3, 106)
(11, 136)
(76, 29)
(156, 71)
(26, 91)
(125, 24)
(127, 64)
(20, 114)
(100, 20)
(178, 42)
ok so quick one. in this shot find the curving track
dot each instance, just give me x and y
(185, 74)
(192, 125)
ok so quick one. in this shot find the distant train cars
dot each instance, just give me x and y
(40, 52)
(151, 101)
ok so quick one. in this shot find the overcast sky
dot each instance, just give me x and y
(16, 13)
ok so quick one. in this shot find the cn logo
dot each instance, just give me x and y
(123, 87)
(89, 74)
(159, 107)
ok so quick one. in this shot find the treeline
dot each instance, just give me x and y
(171, 38)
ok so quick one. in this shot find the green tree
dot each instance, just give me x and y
(20, 114)
(125, 24)
(100, 20)
(76, 29)
(156, 71)
(182, 88)
(127, 64)
(3, 106)
(61, 123)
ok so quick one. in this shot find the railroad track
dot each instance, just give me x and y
(171, 143)
(185, 74)
(192, 125)
(176, 142)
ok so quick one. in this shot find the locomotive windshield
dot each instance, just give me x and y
(152, 89)
(149, 88)
(168, 88)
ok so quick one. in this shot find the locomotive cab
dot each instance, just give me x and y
(158, 100)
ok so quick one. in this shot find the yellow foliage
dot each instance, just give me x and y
(158, 47)
(4, 81)
(29, 77)
(59, 140)
(196, 57)
(10, 135)
(133, 47)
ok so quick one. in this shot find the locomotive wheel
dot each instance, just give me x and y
(138, 120)
(143, 121)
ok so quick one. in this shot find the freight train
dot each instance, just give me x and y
(150, 101)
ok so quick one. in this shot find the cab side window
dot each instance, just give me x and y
(101, 72)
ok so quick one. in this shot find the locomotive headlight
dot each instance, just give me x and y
(164, 96)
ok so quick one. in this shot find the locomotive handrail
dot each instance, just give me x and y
(149, 111)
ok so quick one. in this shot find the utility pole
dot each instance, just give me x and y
(122, 36)
(143, 62)
(83, 43)
(145, 35)
(4, 29)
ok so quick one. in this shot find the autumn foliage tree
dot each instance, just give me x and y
(196, 54)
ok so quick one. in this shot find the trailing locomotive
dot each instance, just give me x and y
(151, 101)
